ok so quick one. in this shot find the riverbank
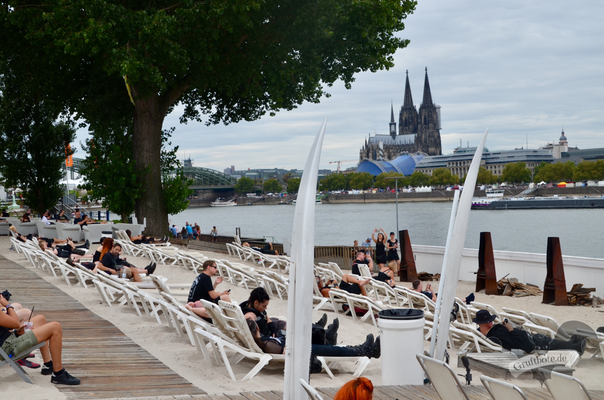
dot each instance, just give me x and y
(389, 197)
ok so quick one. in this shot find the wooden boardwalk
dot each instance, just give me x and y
(108, 362)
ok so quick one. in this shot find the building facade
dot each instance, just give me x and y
(418, 131)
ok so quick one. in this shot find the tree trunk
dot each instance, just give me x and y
(148, 120)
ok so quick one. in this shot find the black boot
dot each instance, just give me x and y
(376, 350)
(331, 334)
(364, 349)
(323, 321)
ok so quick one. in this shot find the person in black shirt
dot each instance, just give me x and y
(204, 289)
(364, 257)
(62, 217)
(113, 264)
(512, 338)
(392, 246)
(418, 287)
(255, 308)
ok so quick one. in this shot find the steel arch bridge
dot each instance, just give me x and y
(202, 177)
(206, 177)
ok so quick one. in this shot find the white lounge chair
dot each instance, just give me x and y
(311, 391)
(564, 387)
(66, 230)
(500, 390)
(443, 378)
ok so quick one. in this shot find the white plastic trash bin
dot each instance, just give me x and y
(401, 337)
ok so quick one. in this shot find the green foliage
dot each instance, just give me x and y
(589, 171)
(334, 182)
(382, 182)
(272, 186)
(32, 146)
(418, 179)
(293, 185)
(109, 172)
(360, 180)
(556, 172)
(220, 61)
(485, 177)
(516, 173)
(443, 176)
(244, 185)
(174, 182)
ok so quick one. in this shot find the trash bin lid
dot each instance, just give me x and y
(401, 313)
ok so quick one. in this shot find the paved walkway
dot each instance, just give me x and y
(108, 362)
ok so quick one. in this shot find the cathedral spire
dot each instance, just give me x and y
(392, 112)
(427, 95)
(408, 99)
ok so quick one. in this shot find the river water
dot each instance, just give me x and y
(581, 232)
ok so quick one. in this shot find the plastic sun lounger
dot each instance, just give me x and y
(443, 378)
(311, 391)
(500, 390)
(564, 387)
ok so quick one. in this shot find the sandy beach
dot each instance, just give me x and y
(183, 359)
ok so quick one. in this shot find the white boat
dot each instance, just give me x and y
(222, 203)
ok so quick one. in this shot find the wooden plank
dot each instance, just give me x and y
(108, 362)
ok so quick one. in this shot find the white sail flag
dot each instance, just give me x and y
(299, 302)
(452, 259)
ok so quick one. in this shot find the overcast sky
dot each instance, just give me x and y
(520, 68)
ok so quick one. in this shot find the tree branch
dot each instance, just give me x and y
(171, 7)
(173, 94)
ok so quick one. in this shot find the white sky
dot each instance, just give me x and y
(517, 67)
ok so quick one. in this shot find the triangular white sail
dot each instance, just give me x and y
(452, 259)
(299, 304)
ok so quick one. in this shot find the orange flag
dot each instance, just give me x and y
(68, 156)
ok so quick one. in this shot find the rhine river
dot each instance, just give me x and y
(581, 232)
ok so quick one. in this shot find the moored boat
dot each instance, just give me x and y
(223, 203)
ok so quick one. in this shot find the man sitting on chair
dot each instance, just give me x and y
(203, 288)
(14, 340)
(512, 338)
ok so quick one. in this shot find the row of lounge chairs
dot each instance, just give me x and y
(222, 343)
(447, 385)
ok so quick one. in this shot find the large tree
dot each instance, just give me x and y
(32, 145)
(516, 173)
(224, 60)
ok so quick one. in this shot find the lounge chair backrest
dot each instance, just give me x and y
(564, 387)
(364, 270)
(500, 390)
(311, 391)
(443, 378)
(237, 322)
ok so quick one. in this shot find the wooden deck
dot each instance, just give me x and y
(108, 362)
(475, 392)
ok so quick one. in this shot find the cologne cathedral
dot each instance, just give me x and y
(418, 132)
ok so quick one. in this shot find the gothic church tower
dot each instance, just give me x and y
(428, 132)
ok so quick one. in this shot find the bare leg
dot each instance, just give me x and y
(198, 309)
(136, 277)
(38, 321)
(351, 279)
(53, 332)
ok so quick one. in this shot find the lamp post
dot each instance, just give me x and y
(396, 178)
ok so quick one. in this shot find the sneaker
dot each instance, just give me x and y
(28, 364)
(581, 347)
(47, 369)
(87, 244)
(64, 378)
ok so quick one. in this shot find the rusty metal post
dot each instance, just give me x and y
(486, 278)
(407, 273)
(554, 288)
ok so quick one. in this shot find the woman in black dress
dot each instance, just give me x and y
(380, 247)
(392, 247)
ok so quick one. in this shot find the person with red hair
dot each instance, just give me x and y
(356, 389)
